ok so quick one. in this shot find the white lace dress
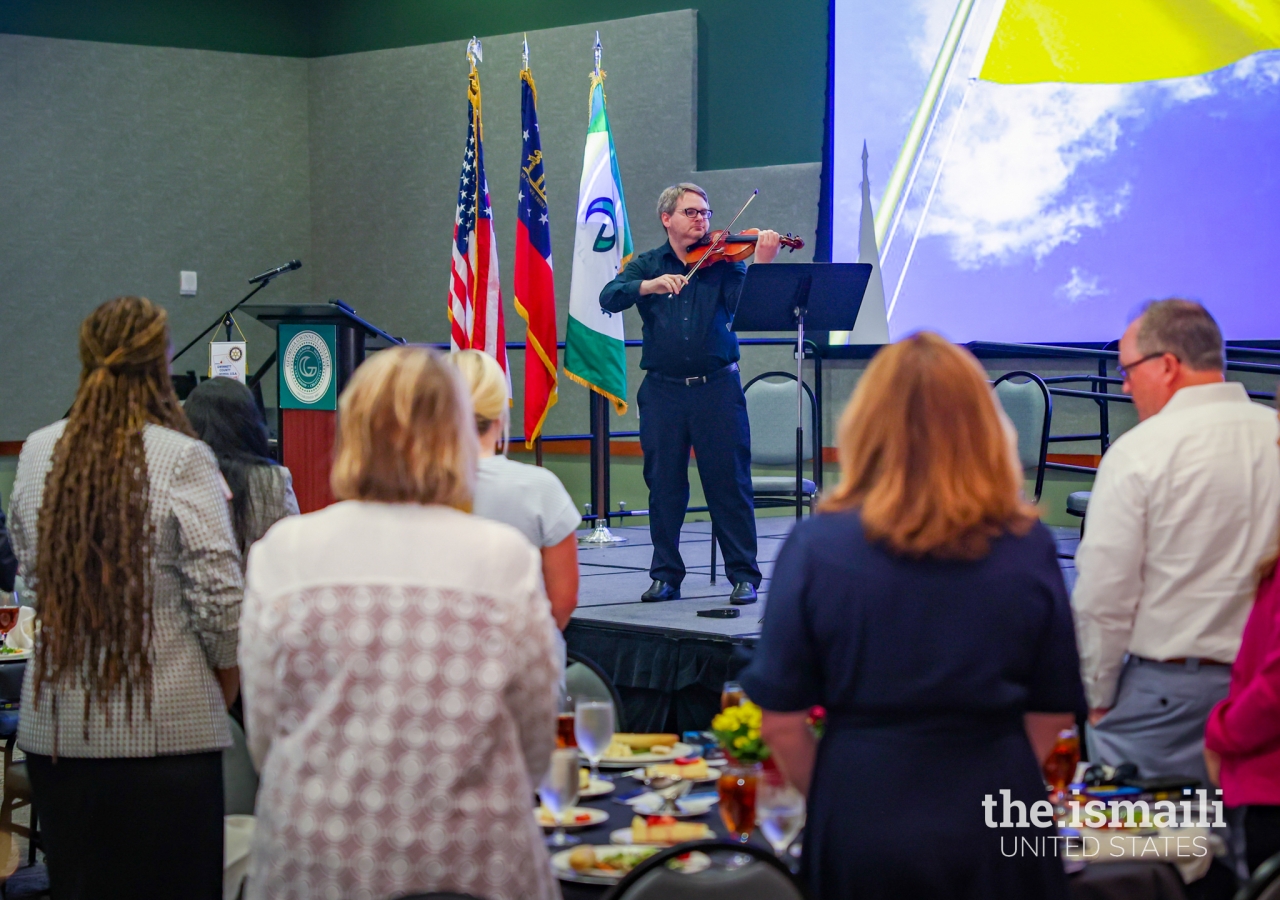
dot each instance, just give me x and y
(400, 692)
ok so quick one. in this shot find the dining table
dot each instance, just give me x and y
(1129, 880)
(620, 815)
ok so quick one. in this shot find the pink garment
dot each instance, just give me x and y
(1245, 727)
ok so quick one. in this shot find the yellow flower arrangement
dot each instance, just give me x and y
(737, 730)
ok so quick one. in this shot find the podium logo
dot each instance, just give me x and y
(308, 366)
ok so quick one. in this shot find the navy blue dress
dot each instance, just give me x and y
(925, 668)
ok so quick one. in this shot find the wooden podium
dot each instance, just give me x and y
(318, 346)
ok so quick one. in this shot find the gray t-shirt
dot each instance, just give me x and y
(528, 498)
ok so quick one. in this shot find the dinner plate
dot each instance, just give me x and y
(645, 759)
(15, 656)
(622, 836)
(696, 862)
(598, 788)
(596, 816)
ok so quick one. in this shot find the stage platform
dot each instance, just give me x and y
(667, 662)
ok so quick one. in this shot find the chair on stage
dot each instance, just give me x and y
(1078, 505)
(1028, 405)
(585, 680)
(771, 411)
(765, 877)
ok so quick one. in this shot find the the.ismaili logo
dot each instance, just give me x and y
(308, 366)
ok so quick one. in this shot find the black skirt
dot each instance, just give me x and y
(138, 828)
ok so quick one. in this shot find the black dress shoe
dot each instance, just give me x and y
(744, 593)
(659, 591)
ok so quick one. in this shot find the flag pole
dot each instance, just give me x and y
(600, 535)
(923, 120)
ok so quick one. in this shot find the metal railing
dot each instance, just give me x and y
(1098, 391)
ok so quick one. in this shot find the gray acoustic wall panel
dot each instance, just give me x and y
(122, 165)
(387, 133)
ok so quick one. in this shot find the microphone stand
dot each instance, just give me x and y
(222, 317)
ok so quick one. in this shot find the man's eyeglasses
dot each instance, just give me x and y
(692, 213)
(1125, 368)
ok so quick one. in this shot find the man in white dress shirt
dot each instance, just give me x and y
(1184, 510)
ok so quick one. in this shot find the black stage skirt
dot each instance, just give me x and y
(139, 828)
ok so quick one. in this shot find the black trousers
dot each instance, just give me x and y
(1261, 834)
(137, 828)
(712, 419)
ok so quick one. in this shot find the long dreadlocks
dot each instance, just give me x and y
(94, 544)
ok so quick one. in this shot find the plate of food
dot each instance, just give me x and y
(606, 864)
(592, 787)
(12, 654)
(663, 830)
(628, 750)
(577, 817)
(695, 770)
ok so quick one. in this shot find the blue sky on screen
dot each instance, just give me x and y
(1061, 207)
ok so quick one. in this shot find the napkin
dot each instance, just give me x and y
(23, 635)
(649, 803)
(1121, 845)
(646, 804)
(237, 838)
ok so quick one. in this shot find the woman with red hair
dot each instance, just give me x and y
(924, 609)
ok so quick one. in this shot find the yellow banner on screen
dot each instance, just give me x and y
(1120, 41)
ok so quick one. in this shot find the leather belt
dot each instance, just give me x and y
(696, 379)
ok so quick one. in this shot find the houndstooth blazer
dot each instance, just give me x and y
(197, 591)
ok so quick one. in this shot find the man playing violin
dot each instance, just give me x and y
(692, 394)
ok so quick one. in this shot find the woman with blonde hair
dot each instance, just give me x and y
(925, 610)
(529, 498)
(126, 547)
(399, 683)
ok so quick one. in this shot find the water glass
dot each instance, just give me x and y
(780, 813)
(593, 729)
(559, 792)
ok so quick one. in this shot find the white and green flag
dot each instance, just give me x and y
(594, 353)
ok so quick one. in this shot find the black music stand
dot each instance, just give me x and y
(791, 296)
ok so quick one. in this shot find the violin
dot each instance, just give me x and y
(724, 246)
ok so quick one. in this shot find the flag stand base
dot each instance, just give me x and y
(601, 536)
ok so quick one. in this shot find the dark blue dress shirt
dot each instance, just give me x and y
(687, 333)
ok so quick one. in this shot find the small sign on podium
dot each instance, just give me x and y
(228, 359)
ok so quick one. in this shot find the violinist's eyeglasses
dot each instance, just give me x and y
(693, 213)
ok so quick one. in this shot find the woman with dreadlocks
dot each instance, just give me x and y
(122, 531)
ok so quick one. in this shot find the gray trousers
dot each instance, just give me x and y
(1158, 718)
(1158, 722)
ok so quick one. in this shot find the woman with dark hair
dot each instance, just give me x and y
(925, 610)
(125, 545)
(226, 417)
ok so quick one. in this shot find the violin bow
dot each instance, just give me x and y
(723, 237)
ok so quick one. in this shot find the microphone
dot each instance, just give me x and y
(278, 270)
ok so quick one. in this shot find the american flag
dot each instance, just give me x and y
(475, 298)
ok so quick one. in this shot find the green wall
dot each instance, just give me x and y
(761, 65)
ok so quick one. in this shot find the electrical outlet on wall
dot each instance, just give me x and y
(187, 284)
